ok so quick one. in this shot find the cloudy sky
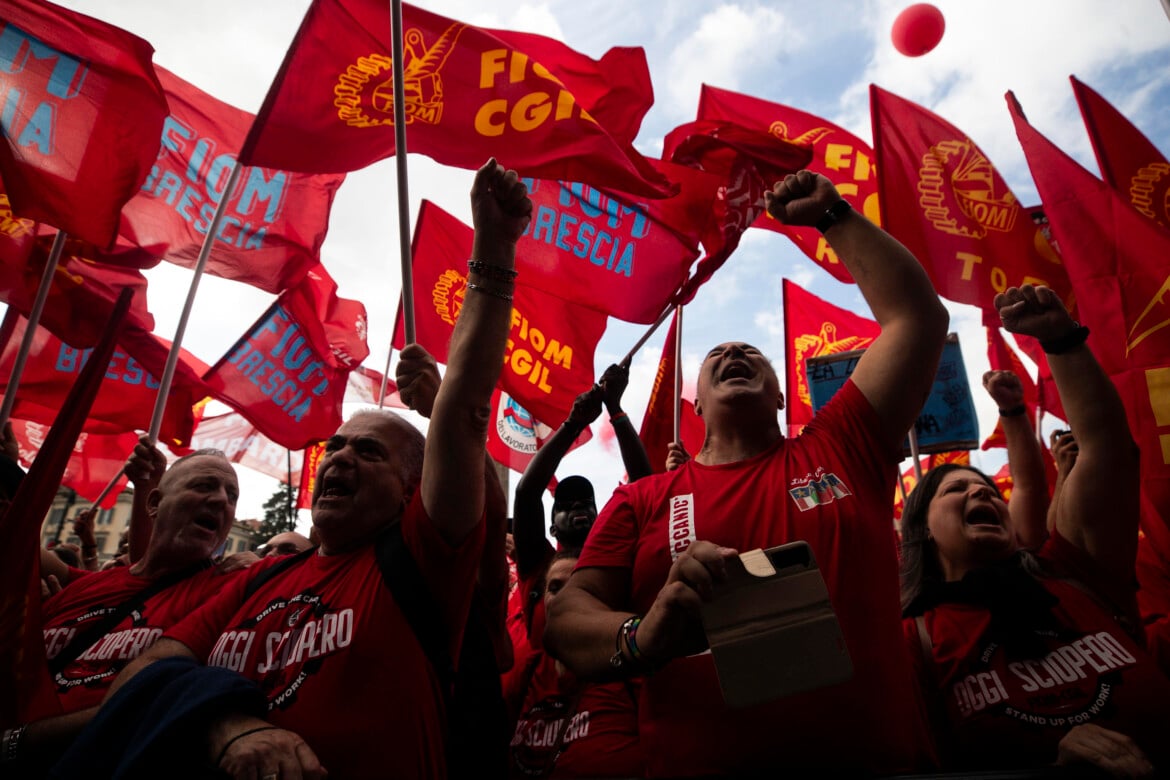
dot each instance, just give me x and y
(816, 56)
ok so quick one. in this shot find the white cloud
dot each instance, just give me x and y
(728, 43)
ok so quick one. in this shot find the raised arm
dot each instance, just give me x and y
(634, 458)
(1029, 501)
(1099, 502)
(532, 547)
(144, 469)
(898, 369)
(452, 479)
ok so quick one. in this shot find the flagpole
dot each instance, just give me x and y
(646, 336)
(164, 388)
(30, 330)
(403, 190)
(288, 492)
(914, 453)
(385, 375)
(168, 376)
(678, 319)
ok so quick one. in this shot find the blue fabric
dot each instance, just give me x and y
(156, 724)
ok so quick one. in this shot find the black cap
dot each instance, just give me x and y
(572, 489)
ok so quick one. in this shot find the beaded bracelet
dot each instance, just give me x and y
(618, 660)
(632, 643)
(503, 296)
(492, 271)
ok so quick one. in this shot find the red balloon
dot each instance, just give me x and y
(918, 29)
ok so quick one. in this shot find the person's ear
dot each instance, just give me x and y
(780, 402)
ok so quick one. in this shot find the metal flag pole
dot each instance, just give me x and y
(403, 189)
(678, 319)
(164, 388)
(914, 454)
(646, 336)
(30, 330)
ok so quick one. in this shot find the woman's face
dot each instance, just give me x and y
(969, 523)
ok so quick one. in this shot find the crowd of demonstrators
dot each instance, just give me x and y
(563, 726)
(1029, 659)
(749, 487)
(313, 663)
(380, 646)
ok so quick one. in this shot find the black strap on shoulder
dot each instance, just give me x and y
(283, 565)
(402, 576)
(84, 639)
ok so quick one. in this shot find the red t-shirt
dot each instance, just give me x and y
(1012, 712)
(337, 659)
(832, 487)
(600, 736)
(83, 683)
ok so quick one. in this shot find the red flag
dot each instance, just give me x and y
(813, 327)
(1116, 262)
(82, 292)
(613, 252)
(364, 386)
(275, 222)
(471, 93)
(947, 203)
(514, 436)
(748, 162)
(549, 358)
(1129, 162)
(127, 396)
(81, 113)
(658, 422)
(838, 154)
(289, 372)
(242, 443)
(311, 460)
(25, 692)
(96, 459)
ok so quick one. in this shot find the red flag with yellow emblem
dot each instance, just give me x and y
(471, 93)
(947, 203)
(1116, 261)
(836, 153)
(549, 358)
(1129, 162)
(312, 461)
(812, 327)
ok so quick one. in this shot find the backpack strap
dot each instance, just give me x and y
(402, 576)
(83, 640)
(283, 565)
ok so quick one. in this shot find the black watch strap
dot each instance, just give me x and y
(833, 215)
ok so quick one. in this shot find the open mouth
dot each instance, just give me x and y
(983, 516)
(736, 369)
(207, 523)
(335, 487)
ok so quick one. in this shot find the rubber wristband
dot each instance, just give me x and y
(1068, 342)
(1015, 411)
(835, 213)
(613, 418)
